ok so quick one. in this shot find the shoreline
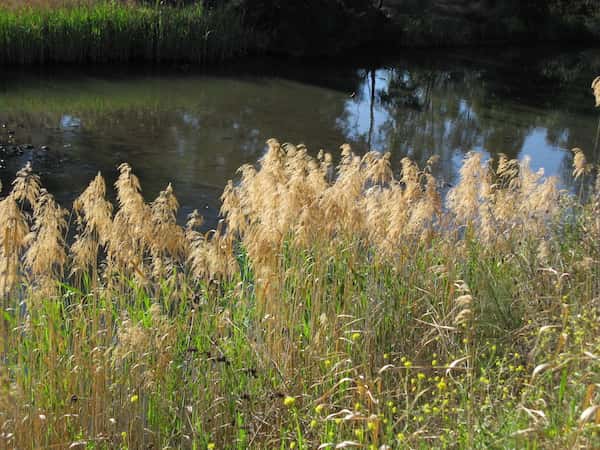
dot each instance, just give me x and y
(108, 33)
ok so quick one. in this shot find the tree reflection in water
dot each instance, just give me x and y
(196, 129)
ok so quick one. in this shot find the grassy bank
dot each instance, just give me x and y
(109, 31)
(99, 31)
(338, 306)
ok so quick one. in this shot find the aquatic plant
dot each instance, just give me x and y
(109, 31)
(341, 302)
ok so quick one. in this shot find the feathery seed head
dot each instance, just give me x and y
(26, 186)
(580, 165)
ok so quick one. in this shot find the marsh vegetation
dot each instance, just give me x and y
(335, 305)
(113, 31)
(208, 31)
(427, 297)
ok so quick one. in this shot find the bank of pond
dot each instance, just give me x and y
(203, 32)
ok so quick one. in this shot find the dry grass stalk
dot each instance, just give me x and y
(130, 229)
(26, 186)
(290, 194)
(46, 255)
(510, 201)
(94, 222)
(346, 269)
(293, 194)
(580, 164)
(13, 233)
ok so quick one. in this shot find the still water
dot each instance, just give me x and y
(195, 128)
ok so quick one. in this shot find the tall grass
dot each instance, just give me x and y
(335, 306)
(110, 31)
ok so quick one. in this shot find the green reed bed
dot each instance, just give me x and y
(117, 32)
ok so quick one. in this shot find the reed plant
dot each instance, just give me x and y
(112, 31)
(340, 303)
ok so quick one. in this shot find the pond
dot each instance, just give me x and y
(195, 128)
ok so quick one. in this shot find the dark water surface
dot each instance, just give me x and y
(195, 129)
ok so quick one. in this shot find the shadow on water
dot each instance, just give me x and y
(196, 127)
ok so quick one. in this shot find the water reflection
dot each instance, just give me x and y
(196, 129)
(448, 112)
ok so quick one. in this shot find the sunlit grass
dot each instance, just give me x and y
(23, 4)
(103, 31)
(335, 306)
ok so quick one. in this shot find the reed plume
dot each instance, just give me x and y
(580, 164)
(130, 229)
(504, 203)
(325, 303)
(26, 186)
(288, 195)
(94, 222)
(14, 230)
(46, 255)
(464, 199)
(166, 241)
